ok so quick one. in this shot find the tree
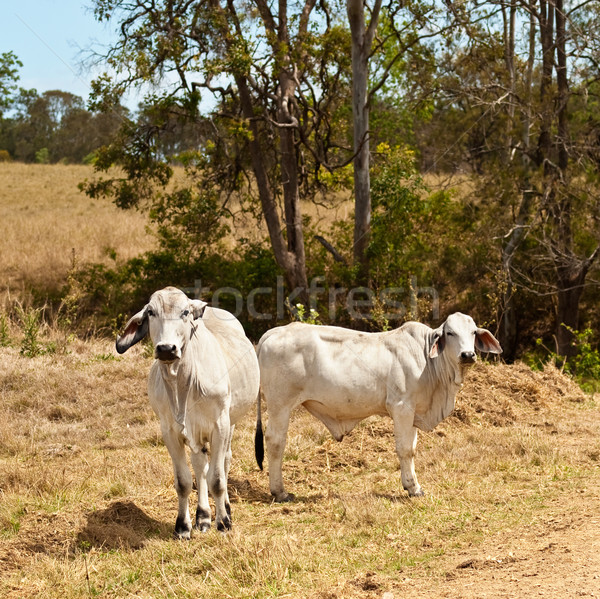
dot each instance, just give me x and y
(510, 105)
(266, 81)
(362, 41)
(9, 68)
(383, 50)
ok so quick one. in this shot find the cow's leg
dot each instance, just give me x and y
(217, 479)
(183, 482)
(200, 464)
(227, 467)
(276, 437)
(406, 443)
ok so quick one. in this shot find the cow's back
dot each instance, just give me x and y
(345, 369)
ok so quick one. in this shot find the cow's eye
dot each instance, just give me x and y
(150, 312)
(185, 314)
(449, 333)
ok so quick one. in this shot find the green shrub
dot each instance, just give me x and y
(31, 325)
(584, 366)
(4, 331)
(42, 156)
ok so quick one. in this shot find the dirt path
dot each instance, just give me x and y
(557, 556)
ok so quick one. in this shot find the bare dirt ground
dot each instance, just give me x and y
(557, 556)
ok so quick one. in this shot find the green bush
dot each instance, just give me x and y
(584, 366)
(4, 331)
(42, 156)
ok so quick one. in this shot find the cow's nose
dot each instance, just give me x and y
(467, 357)
(166, 351)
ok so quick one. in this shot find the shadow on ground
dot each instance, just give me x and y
(122, 525)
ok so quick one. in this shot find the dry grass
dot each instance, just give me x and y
(87, 504)
(46, 220)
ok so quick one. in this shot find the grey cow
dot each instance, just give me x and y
(204, 379)
(341, 376)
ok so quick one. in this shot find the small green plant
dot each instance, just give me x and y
(4, 331)
(309, 317)
(584, 366)
(10, 522)
(31, 325)
(42, 156)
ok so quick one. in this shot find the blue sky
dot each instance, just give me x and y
(49, 36)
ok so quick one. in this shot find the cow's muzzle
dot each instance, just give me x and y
(166, 352)
(468, 357)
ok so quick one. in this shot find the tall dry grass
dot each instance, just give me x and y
(47, 222)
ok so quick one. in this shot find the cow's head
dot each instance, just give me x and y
(169, 319)
(459, 336)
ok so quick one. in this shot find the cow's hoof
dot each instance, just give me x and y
(182, 535)
(224, 525)
(202, 526)
(183, 529)
(284, 497)
(202, 520)
(419, 493)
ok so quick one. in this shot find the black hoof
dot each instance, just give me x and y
(224, 525)
(285, 498)
(202, 520)
(182, 529)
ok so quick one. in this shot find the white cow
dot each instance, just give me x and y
(204, 379)
(342, 376)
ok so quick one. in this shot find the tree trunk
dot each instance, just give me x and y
(571, 283)
(508, 328)
(290, 256)
(291, 192)
(362, 40)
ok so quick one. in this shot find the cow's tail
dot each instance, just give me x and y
(259, 443)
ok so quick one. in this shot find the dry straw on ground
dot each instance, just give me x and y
(88, 507)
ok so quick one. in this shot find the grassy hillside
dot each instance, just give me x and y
(47, 223)
(87, 504)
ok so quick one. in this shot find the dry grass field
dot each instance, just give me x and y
(46, 222)
(87, 504)
(88, 507)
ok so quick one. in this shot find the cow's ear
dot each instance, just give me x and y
(198, 307)
(437, 342)
(486, 342)
(135, 330)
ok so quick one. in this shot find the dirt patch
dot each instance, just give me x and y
(557, 556)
